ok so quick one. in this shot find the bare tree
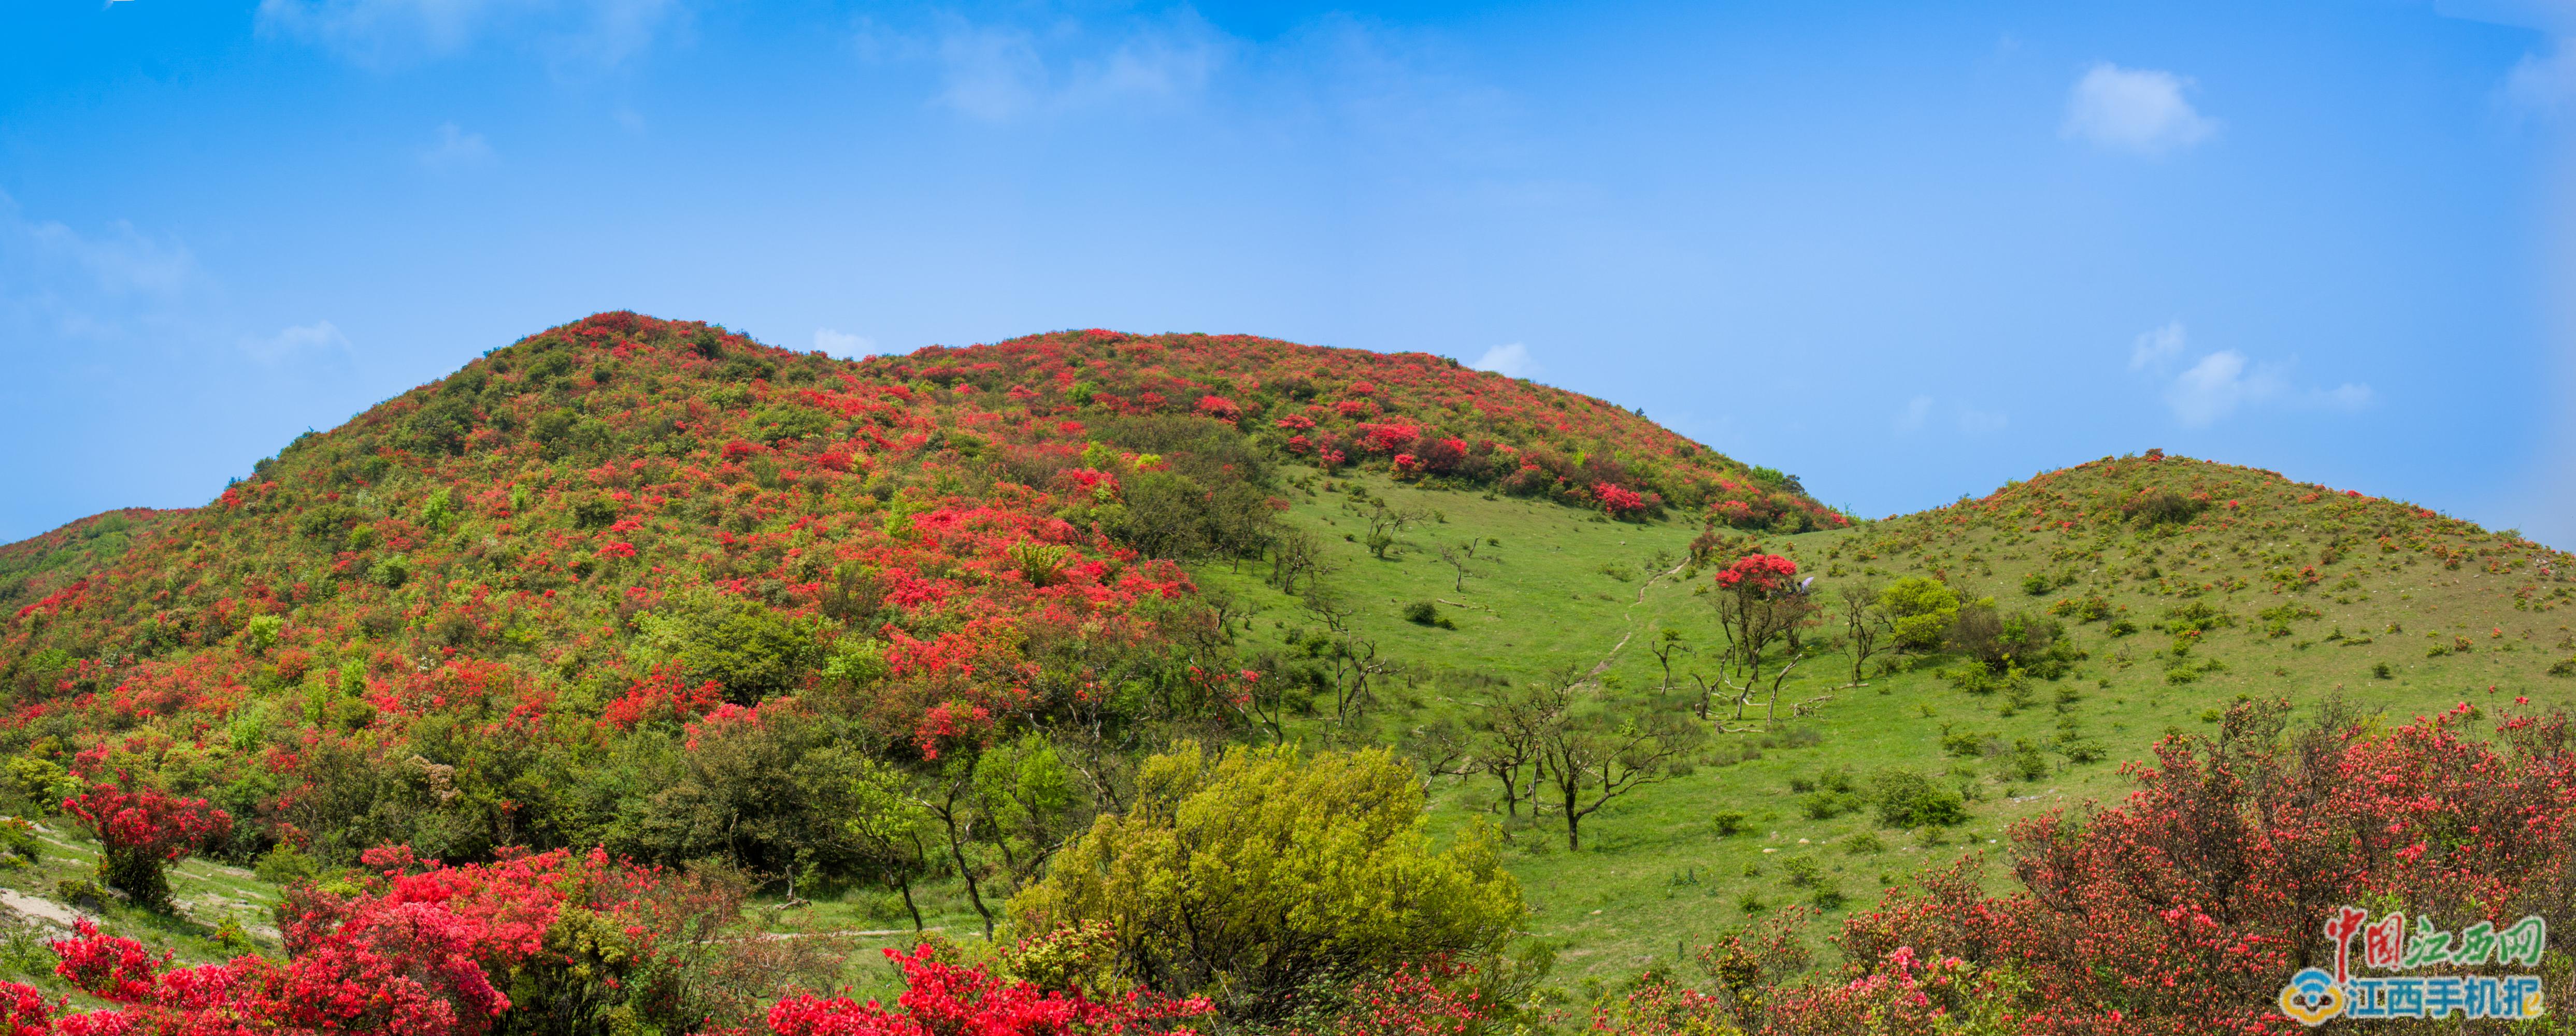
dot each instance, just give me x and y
(1589, 751)
(1349, 659)
(1353, 663)
(1667, 645)
(1865, 622)
(1385, 522)
(1298, 556)
(1461, 557)
(1510, 727)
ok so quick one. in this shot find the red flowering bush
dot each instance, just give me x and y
(941, 999)
(2183, 909)
(142, 830)
(1424, 999)
(1219, 407)
(1758, 574)
(1618, 501)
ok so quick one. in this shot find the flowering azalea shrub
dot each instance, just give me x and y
(1619, 501)
(1758, 574)
(141, 831)
(941, 998)
(2185, 907)
(530, 942)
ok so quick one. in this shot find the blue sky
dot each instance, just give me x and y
(1904, 251)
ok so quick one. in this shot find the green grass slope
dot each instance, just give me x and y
(2306, 592)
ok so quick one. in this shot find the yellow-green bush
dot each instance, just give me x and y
(1249, 875)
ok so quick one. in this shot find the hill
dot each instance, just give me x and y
(651, 586)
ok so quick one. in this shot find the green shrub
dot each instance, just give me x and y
(18, 843)
(81, 892)
(1826, 805)
(2027, 761)
(285, 865)
(1981, 681)
(1909, 799)
(2077, 747)
(1726, 822)
(750, 649)
(1922, 611)
(2196, 617)
(2088, 609)
(390, 572)
(1966, 744)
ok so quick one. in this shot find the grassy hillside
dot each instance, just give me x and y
(2305, 593)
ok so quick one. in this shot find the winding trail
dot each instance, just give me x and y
(1630, 615)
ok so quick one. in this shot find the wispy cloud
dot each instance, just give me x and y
(1511, 361)
(2137, 110)
(2222, 383)
(2157, 348)
(2544, 83)
(998, 71)
(456, 150)
(94, 286)
(1917, 413)
(306, 341)
(568, 34)
(842, 344)
(1911, 416)
(1981, 422)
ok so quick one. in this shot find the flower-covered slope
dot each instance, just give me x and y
(625, 525)
(1415, 414)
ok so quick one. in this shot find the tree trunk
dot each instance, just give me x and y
(904, 885)
(958, 853)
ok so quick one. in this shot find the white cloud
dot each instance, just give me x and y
(2544, 83)
(91, 287)
(1003, 71)
(2215, 387)
(844, 345)
(2225, 382)
(1981, 422)
(1511, 361)
(2158, 347)
(298, 342)
(381, 33)
(2347, 396)
(1910, 418)
(122, 261)
(456, 149)
(2142, 111)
